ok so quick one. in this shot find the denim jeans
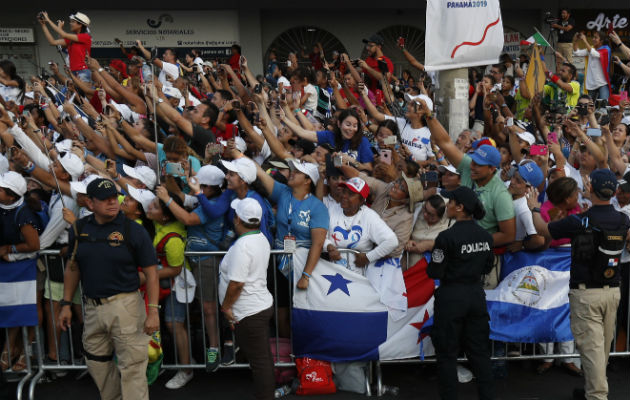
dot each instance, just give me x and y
(599, 93)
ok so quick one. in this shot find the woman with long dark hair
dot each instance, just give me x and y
(11, 84)
(346, 137)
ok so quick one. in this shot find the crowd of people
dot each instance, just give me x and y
(319, 151)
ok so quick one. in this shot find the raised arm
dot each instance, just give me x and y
(301, 132)
(51, 40)
(371, 108)
(440, 136)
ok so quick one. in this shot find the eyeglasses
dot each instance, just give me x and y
(400, 183)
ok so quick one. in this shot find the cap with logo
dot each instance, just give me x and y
(101, 189)
(248, 210)
(142, 196)
(170, 91)
(418, 97)
(487, 155)
(143, 173)
(357, 185)
(13, 181)
(604, 183)
(244, 167)
(309, 169)
(72, 164)
(482, 141)
(531, 173)
(526, 136)
(464, 196)
(210, 175)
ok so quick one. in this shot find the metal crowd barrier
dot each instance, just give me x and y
(500, 351)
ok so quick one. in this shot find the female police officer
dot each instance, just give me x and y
(461, 255)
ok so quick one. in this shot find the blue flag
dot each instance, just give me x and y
(18, 293)
(531, 303)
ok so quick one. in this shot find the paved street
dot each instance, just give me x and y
(414, 381)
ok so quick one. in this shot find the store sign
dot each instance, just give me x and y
(588, 21)
(511, 44)
(16, 35)
(212, 32)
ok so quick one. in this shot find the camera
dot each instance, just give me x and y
(582, 109)
(40, 15)
(258, 89)
(550, 19)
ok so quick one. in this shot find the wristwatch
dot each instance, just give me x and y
(536, 209)
(64, 303)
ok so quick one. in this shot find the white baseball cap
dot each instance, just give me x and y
(143, 173)
(4, 164)
(418, 97)
(527, 136)
(210, 175)
(14, 182)
(72, 164)
(244, 167)
(184, 286)
(81, 186)
(307, 168)
(64, 145)
(238, 142)
(142, 196)
(170, 91)
(449, 168)
(248, 210)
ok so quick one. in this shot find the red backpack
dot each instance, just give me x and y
(315, 376)
(165, 284)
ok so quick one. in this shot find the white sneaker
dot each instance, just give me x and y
(464, 375)
(180, 380)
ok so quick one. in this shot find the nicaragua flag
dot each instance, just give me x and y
(531, 303)
(340, 317)
(18, 293)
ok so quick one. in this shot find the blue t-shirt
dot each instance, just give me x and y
(363, 154)
(10, 223)
(205, 236)
(302, 216)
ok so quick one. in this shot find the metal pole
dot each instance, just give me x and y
(155, 120)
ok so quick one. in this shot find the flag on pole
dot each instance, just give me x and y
(536, 38)
(475, 34)
(531, 303)
(18, 293)
(340, 317)
(535, 77)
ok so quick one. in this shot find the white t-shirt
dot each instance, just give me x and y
(11, 93)
(311, 103)
(417, 140)
(246, 262)
(524, 221)
(365, 231)
(625, 255)
(330, 202)
(172, 70)
(594, 73)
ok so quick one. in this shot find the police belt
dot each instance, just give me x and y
(99, 301)
(592, 285)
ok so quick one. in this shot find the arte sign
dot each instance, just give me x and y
(588, 21)
(16, 35)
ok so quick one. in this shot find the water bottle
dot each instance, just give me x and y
(282, 391)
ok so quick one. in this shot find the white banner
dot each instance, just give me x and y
(512, 44)
(462, 34)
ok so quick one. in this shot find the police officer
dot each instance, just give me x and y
(461, 255)
(106, 250)
(597, 238)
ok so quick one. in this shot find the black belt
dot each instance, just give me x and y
(592, 285)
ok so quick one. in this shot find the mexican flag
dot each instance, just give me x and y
(536, 38)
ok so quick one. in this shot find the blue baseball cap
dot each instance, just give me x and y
(487, 155)
(531, 173)
(603, 183)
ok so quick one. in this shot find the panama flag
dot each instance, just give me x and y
(340, 317)
(18, 293)
(531, 303)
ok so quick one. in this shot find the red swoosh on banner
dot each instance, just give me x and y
(475, 43)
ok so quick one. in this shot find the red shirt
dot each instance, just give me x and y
(373, 63)
(230, 131)
(78, 50)
(235, 62)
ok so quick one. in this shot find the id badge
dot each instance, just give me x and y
(289, 243)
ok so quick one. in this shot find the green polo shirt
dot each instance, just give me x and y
(494, 196)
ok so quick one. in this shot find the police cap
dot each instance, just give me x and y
(101, 189)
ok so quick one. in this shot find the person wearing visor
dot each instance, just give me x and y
(78, 41)
(462, 254)
(523, 177)
(354, 225)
